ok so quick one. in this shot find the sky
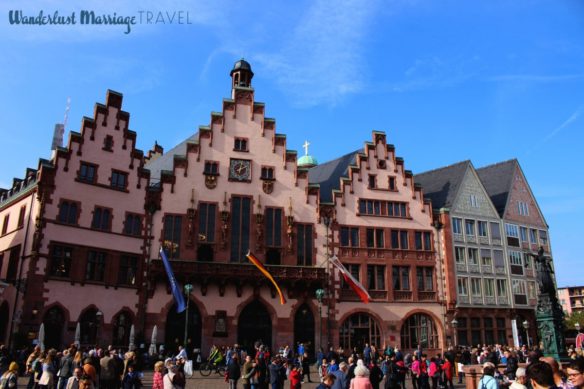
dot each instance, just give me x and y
(446, 80)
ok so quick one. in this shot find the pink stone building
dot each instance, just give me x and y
(82, 232)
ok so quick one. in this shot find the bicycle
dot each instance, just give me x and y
(208, 367)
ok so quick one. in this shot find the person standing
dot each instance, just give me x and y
(73, 381)
(541, 375)
(361, 380)
(108, 372)
(9, 379)
(295, 381)
(488, 381)
(65, 369)
(157, 378)
(305, 367)
(375, 374)
(575, 373)
(341, 376)
(520, 379)
(247, 372)
(327, 382)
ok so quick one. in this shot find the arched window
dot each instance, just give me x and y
(358, 329)
(89, 323)
(419, 329)
(54, 321)
(122, 324)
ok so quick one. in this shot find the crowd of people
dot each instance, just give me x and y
(366, 368)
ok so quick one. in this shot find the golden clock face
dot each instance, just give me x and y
(240, 170)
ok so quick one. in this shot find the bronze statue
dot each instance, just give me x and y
(545, 273)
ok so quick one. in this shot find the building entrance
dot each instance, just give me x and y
(304, 328)
(175, 329)
(358, 329)
(254, 325)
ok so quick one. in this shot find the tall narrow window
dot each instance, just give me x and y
(372, 181)
(418, 240)
(273, 220)
(240, 227)
(427, 241)
(87, 172)
(374, 238)
(133, 224)
(172, 235)
(128, 270)
(483, 228)
(68, 212)
(207, 217)
(119, 180)
(425, 278)
(463, 286)
(349, 237)
(95, 268)
(469, 227)
(101, 219)
(304, 244)
(61, 261)
(240, 144)
(13, 260)
(403, 240)
(21, 216)
(392, 183)
(375, 277)
(401, 278)
(459, 255)
(5, 224)
(457, 225)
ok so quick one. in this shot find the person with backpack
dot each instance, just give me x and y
(9, 379)
(488, 381)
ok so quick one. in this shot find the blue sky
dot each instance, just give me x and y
(448, 81)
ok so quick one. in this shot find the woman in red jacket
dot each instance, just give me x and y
(295, 378)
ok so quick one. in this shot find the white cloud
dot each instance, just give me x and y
(322, 60)
(573, 118)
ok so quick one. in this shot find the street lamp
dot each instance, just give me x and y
(319, 296)
(526, 326)
(454, 324)
(188, 289)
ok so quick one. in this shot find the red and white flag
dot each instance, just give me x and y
(349, 279)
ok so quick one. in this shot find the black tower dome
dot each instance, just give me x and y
(241, 74)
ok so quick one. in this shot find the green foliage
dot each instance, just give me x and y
(575, 317)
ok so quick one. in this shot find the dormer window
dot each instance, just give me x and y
(240, 144)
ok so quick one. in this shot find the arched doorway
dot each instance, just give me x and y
(89, 325)
(254, 324)
(54, 322)
(4, 313)
(304, 328)
(175, 329)
(419, 329)
(358, 329)
(122, 324)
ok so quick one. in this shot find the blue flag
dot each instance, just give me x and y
(176, 290)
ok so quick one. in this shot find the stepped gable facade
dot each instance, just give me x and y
(381, 230)
(80, 239)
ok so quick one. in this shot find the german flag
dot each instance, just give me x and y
(267, 274)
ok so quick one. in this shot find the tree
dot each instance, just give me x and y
(575, 317)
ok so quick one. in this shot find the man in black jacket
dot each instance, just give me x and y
(277, 374)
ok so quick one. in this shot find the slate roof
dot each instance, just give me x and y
(441, 185)
(165, 161)
(497, 180)
(328, 174)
